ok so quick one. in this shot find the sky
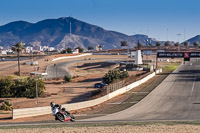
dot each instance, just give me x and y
(173, 20)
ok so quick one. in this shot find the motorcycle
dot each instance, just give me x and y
(63, 115)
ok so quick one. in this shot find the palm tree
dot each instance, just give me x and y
(124, 44)
(177, 44)
(196, 44)
(90, 48)
(139, 45)
(158, 44)
(186, 44)
(151, 44)
(167, 43)
(18, 47)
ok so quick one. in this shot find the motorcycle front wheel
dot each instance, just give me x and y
(60, 117)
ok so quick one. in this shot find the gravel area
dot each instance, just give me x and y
(160, 128)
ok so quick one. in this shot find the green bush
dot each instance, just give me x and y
(7, 106)
(124, 74)
(30, 86)
(113, 75)
(67, 78)
(69, 50)
(5, 85)
(20, 87)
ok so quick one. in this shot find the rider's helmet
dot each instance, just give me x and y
(52, 104)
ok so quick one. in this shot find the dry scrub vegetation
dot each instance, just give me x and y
(157, 128)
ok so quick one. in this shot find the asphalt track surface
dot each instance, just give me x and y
(58, 70)
(176, 98)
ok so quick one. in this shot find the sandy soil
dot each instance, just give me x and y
(161, 128)
(58, 91)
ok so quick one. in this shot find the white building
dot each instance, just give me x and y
(3, 52)
(37, 48)
(45, 48)
(51, 48)
(76, 51)
(28, 49)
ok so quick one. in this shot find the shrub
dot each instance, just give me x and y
(20, 87)
(113, 75)
(5, 85)
(69, 50)
(124, 74)
(7, 106)
(67, 78)
(30, 86)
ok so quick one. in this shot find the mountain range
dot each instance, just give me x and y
(194, 39)
(56, 33)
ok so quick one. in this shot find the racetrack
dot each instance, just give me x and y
(60, 69)
(176, 98)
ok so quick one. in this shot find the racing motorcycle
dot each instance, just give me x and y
(63, 115)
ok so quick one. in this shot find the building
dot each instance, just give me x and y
(3, 52)
(28, 49)
(37, 48)
(76, 51)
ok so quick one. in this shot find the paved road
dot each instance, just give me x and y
(60, 69)
(176, 98)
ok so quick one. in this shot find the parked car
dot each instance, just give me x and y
(99, 85)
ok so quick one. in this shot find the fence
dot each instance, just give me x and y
(114, 86)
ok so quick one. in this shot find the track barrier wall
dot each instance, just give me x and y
(29, 112)
(68, 57)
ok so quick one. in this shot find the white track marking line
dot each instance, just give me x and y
(192, 87)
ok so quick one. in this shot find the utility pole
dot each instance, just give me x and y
(147, 52)
(70, 28)
(167, 34)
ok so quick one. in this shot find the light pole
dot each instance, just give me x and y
(147, 53)
(36, 87)
(167, 34)
(178, 35)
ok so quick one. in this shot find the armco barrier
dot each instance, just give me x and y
(68, 57)
(29, 112)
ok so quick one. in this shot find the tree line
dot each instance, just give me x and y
(124, 44)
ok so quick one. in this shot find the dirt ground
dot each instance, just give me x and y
(59, 91)
(159, 128)
(88, 73)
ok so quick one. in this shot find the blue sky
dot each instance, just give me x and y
(161, 19)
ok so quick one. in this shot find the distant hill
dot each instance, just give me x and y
(193, 39)
(56, 33)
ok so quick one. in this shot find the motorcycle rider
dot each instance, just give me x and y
(54, 108)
